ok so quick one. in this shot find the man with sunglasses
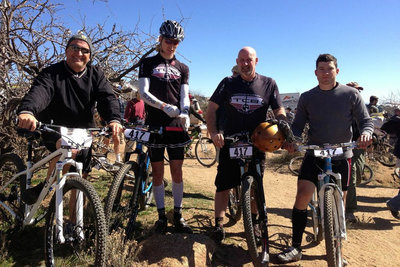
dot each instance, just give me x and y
(66, 93)
(163, 86)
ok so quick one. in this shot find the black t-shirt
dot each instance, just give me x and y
(245, 104)
(166, 78)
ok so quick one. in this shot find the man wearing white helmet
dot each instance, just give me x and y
(163, 86)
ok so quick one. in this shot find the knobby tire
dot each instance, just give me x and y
(118, 206)
(91, 250)
(249, 184)
(11, 164)
(333, 242)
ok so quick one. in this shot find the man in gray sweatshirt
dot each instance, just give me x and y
(329, 108)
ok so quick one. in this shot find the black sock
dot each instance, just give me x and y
(299, 221)
(161, 213)
(218, 222)
(178, 210)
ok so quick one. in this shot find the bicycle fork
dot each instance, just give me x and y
(78, 205)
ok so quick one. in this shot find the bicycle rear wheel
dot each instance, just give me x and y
(333, 240)
(118, 206)
(11, 164)
(255, 231)
(206, 152)
(234, 205)
(367, 175)
(85, 241)
(295, 164)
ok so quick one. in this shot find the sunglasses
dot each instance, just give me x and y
(76, 48)
(170, 41)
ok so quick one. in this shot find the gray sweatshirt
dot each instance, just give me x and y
(330, 115)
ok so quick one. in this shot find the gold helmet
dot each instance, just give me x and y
(267, 137)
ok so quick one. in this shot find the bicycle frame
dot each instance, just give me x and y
(57, 176)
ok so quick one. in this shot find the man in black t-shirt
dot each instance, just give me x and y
(245, 100)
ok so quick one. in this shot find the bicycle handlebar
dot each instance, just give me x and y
(327, 146)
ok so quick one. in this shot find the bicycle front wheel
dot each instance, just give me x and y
(83, 227)
(118, 206)
(206, 152)
(367, 175)
(333, 240)
(234, 205)
(295, 164)
(254, 228)
(11, 164)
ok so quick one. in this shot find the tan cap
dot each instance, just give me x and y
(355, 85)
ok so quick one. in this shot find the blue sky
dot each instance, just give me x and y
(288, 35)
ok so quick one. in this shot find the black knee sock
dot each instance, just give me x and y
(299, 221)
(161, 213)
(218, 221)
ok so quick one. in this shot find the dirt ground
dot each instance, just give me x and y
(372, 241)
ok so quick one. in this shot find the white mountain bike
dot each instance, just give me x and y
(75, 224)
(327, 205)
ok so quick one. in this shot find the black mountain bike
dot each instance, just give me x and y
(256, 229)
(132, 187)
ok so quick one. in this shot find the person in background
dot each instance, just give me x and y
(357, 166)
(330, 109)
(66, 94)
(392, 126)
(372, 106)
(135, 111)
(195, 110)
(164, 87)
(289, 115)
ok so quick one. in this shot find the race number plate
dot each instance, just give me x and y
(137, 135)
(328, 152)
(241, 151)
(75, 138)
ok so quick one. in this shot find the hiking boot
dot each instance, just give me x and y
(218, 234)
(290, 254)
(181, 226)
(160, 227)
(31, 195)
(394, 212)
(350, 217)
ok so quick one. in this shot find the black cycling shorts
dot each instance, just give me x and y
(49, 140)
(228, 170)
(312, 166)
(157, 154)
